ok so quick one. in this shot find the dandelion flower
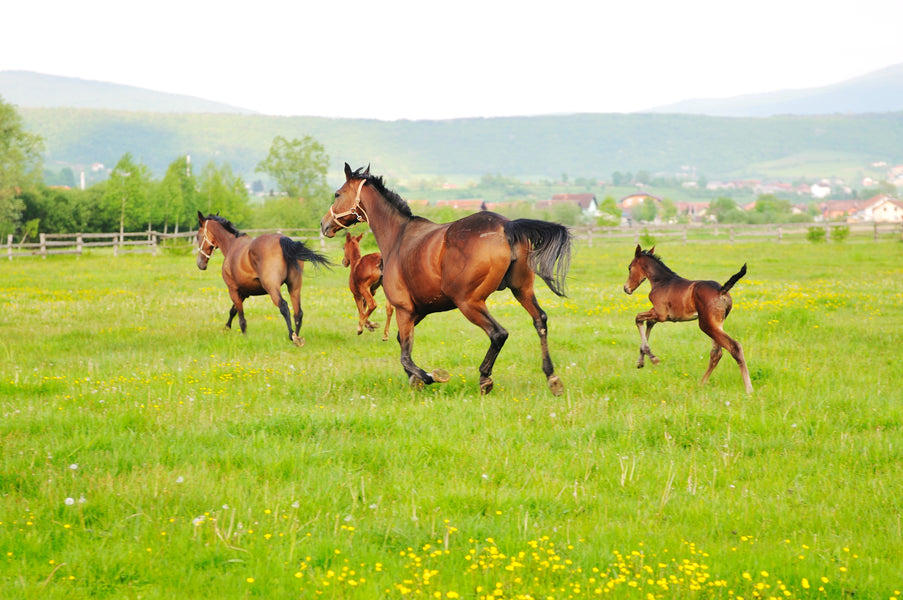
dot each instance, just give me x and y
(69, 501)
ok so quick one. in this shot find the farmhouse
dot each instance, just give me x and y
(881, 208)
(588, 204)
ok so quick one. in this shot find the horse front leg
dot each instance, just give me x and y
(389, 310)
(238, 308)
(369, 305)
(649, 319)
(416, 376)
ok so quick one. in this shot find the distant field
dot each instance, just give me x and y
(145, 453)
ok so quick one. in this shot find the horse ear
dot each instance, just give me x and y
(638, 251)
(652, 250)
(200, 218)
(367, 171)
(347, 237)
(360, 237)
(347, 172)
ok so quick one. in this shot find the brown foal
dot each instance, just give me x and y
(677, 299)
(365, 277)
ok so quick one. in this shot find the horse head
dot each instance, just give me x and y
(636, 272)
(204, 242)
(352, 248)
(346, 210)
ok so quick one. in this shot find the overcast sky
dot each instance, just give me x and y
(423, 59)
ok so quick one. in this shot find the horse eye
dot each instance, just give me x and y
(337, 194)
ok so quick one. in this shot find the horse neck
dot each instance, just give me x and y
(223, 238)
(386, 221)
(657, 272)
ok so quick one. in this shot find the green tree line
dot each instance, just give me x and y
(131, 199)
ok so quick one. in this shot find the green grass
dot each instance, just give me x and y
(145, 453)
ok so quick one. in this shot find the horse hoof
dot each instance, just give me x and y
(556, 385)
(385, 338)
(297, 340)
(654, 360)
(371, 326)
(640, 365)
(440, 375)
(486, 386)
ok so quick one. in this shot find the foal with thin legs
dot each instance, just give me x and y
(364, 278)
(677, 299)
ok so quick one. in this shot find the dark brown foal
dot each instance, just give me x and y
(677, 299)
(365, 277)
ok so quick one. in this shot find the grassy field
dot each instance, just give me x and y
(145, 453)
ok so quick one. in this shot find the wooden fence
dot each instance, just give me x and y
(150, 241)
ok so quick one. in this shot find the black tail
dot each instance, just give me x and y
(734, 279)
(294, 251)
(551, 243)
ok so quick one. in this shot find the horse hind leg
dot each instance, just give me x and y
(527, 299)
(295, 294)
(714, 357)
(723, 340)
(478, 314)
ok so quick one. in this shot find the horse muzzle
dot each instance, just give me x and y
(627, 289)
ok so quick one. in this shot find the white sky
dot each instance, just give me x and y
(427, 59)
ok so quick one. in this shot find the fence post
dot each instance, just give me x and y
(686, 227)
(43, 245)
(154, 244)
(732, 234)
(9, 246)
(78, 245)
(875, 235)
(780, 234)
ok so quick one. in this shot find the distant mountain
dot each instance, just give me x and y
(877, 92)
(35, 90)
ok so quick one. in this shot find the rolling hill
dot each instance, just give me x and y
(548, 147)
(36, 90)
(877, 92)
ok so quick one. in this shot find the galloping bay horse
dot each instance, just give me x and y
(432, 267)
(256, 266)
(364, 278)
(677, 299)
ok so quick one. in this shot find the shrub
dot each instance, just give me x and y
(840, 233)
(816, 234)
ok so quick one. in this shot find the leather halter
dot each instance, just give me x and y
(207, 240)
(361, 217)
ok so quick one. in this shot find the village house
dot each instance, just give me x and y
(588, 204)
(881, 208)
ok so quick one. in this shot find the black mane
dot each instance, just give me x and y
(377, 182)
(227, 225)
(659, 260)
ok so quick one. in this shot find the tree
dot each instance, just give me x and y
(20, 165)
(220, 191)
(175, 197)
(645, 211)
(725, 210)
(611, 212)
(125, 199)
(298, 167)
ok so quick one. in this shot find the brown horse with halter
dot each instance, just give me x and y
(255, 267)
(365, 277)
(677, 299)
(432, 267)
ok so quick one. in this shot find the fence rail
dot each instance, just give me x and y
(150, 241)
